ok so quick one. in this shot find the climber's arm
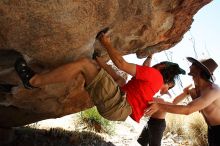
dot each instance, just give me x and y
(116, 57)
(117, 78)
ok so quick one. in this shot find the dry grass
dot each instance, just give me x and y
(197, 130)
(175, 124)
(192, 128)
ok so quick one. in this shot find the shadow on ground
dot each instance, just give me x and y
(55, 137)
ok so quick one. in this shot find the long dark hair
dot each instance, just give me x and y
(169, 70)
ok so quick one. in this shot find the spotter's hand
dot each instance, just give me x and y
(187, 89)
(153, 107)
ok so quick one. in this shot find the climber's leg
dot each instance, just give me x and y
(67, 72)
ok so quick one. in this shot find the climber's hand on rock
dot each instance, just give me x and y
(102, 32)
(103, 37)
(104, 40)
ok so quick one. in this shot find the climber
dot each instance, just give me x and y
(104, 86)
(205, 95)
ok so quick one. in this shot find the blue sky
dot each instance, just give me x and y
(204, 32)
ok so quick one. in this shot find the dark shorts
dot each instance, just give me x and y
(107, 97)
(214, 135)
(152, 133)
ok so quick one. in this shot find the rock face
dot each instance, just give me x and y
(51, 33)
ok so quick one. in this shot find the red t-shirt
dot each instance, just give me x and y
(141, 89)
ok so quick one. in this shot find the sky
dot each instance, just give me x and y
(203, 36)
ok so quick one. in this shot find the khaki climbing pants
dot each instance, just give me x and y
(107, 97)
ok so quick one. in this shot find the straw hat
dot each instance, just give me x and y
(207, 65)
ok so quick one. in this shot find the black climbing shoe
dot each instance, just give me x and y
(99, 34)
(24, 72)
(6, 88)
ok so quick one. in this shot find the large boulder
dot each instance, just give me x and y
(50, 33)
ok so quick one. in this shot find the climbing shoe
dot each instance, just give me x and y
(24, 72)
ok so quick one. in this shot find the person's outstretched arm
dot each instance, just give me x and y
(195, 105)
(183, 95)
(116, 57)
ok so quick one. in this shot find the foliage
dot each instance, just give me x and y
(94, 121)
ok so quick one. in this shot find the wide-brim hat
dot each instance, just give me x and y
(207, 65)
